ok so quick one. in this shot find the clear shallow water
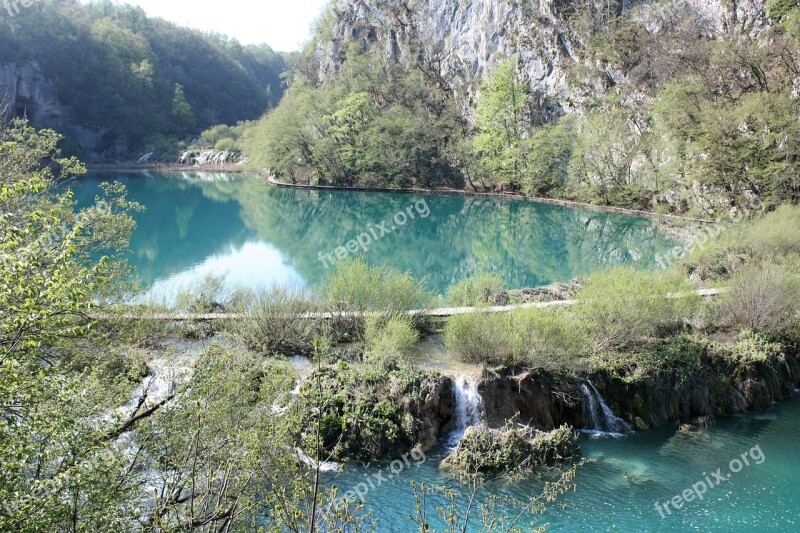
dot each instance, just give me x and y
(259, 235)
(623, 478)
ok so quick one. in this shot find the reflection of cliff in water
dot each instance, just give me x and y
(525, 243)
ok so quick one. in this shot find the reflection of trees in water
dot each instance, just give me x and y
(525, 243)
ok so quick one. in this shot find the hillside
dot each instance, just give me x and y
(113, 80)
(685, 106)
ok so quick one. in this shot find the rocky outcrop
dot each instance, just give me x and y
(463, 42)
(538, 399)
(511, 449)
(25, 92)
(718, 386)
(379, 413)
(431, 412)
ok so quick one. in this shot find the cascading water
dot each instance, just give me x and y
(468, 408)
(598, 418)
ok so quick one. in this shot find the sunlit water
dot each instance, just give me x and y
(623, 478)
(256, 235)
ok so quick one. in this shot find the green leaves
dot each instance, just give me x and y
(48, 281)
(501, 124)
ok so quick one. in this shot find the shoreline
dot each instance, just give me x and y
(232, 168)
(661, 219)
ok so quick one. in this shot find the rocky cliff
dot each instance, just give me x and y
(26, 92)
(465, 40)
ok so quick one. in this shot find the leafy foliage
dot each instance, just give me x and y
(389, 340)
(485, 450)
(477, 290)
(360, 287)
(376, 123)
(139, 77)
(621, 307)
(363, 410)
(545, 338)
(55, 464)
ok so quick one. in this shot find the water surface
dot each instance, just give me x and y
(623, 478)
(253, 234)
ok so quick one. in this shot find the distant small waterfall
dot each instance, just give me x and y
(468, 408)
(597, 415)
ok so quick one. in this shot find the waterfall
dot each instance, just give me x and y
(598, 418)
(324, 466)
(468, 408)
(791, 376)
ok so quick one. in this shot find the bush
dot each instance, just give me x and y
(367, 412)
(477, 290)
(621, 306)
(534, 337)
(511, 449)
(355, 286)
(479, 337)
(753, 348)
(678, 358)
(389, 340)
(275, 322)
(547, 337)
(768, 238)
(762, 298)
(209, 295)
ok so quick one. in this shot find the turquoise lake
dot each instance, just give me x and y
(254, 235)
(623, 478)
(257, 235)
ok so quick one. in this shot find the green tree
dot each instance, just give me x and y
(549, 149)
(181, 110)
(501, 125)
(55, 464)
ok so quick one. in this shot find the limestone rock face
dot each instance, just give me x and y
(26, 92)
(466, 40)
(431, 412)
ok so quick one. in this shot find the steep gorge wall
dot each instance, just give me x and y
(465, 40)
(25, 92)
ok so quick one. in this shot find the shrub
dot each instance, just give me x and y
(358, 287)
(275, 322)
(767, 238)
(753, 348)
(762, 298)
(209, 295)
(547, 337)
(678, 358)
(477, 290)
(367, 412)
(479, 337)
(511, 449)
(389, 339)
(534, 337)
(621, 306)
